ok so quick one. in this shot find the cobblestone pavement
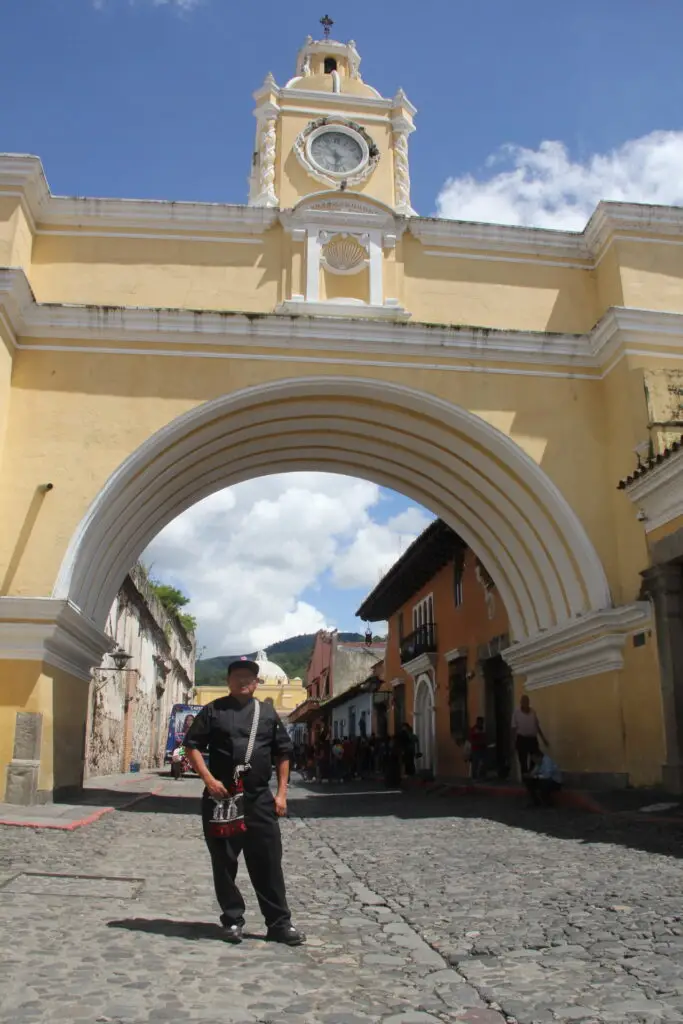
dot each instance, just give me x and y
(418, 910)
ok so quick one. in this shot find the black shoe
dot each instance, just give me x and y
(233, 933)
(288, 935)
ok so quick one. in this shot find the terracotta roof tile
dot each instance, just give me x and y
(651, 464)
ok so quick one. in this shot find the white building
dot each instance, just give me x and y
(130, 707)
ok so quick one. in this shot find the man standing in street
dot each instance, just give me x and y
(526, 729)
(226, 728)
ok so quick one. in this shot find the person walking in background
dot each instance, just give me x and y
(478, 747)
(409, 750)
(526, 730)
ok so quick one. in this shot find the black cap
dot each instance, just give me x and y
(244, 662)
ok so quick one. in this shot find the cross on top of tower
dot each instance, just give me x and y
(327, 24)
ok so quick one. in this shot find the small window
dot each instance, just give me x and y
(330, 65)
(458, 574)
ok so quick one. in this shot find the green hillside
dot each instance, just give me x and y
(291, 654)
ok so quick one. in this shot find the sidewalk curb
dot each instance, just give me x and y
(88, 820)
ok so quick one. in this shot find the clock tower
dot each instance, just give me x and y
(332, 154)
(327, 129)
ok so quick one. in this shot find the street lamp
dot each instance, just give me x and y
(120, 657)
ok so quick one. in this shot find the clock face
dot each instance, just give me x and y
(336, 152)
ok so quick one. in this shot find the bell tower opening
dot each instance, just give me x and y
(330, 65)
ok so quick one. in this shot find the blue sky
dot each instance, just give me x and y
(527, 113)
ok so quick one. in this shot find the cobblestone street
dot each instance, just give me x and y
(417, 910)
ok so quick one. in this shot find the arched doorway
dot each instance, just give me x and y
(424, 723)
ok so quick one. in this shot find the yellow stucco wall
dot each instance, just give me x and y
(652, 274)
(495, 292)
(110, 271)
(16, 238)
(284, 698)
(610, 722)
(61, 699)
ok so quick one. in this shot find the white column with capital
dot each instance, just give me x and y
(376, 268)
(313, 249)
(402, 128)
(268, 116)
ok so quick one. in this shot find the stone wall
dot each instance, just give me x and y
(353, 663)
(130, 708)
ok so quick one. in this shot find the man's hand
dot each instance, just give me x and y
(216, 788)
(281, 804)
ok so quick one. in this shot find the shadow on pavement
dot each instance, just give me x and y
(366, 801)
(191, 930)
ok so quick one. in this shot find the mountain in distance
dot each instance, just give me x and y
(292, 655)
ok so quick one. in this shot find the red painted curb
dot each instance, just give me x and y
(95, 816)
(55, 825)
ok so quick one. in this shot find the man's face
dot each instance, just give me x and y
(524, 703)
(242, 682)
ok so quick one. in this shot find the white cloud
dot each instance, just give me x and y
(376, 547)
(179, 5)
(246, 554)
(546, 188)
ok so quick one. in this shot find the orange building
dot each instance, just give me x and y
(447, 627)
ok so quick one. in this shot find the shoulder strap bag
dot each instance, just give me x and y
(228, 815)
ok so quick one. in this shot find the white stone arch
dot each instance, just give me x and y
(448, 459)
(424, 721)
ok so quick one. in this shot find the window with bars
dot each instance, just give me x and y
(423, 612)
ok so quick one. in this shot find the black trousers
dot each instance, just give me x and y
(542, 791)
(262, 848)
(526, 746)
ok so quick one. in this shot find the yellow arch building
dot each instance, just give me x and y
(153, 352)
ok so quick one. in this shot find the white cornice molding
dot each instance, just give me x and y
(589, 646)
(345, 309)
(23, 175)
(462, 234)
(345, 326)
(455, 654)
(605, 654)
(609, 222)
(51, 631)
(346, 100)
(659, 492)
(421, 664)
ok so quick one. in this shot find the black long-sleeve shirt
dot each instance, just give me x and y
(223, 728)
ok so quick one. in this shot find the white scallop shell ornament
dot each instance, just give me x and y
(344, 254)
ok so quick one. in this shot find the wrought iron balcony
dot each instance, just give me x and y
(421, 641)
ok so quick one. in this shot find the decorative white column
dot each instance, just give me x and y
(268, 116)
(313, 247)
(376, 258)
(402, 128)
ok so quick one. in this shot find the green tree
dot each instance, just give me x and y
(173, 600)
